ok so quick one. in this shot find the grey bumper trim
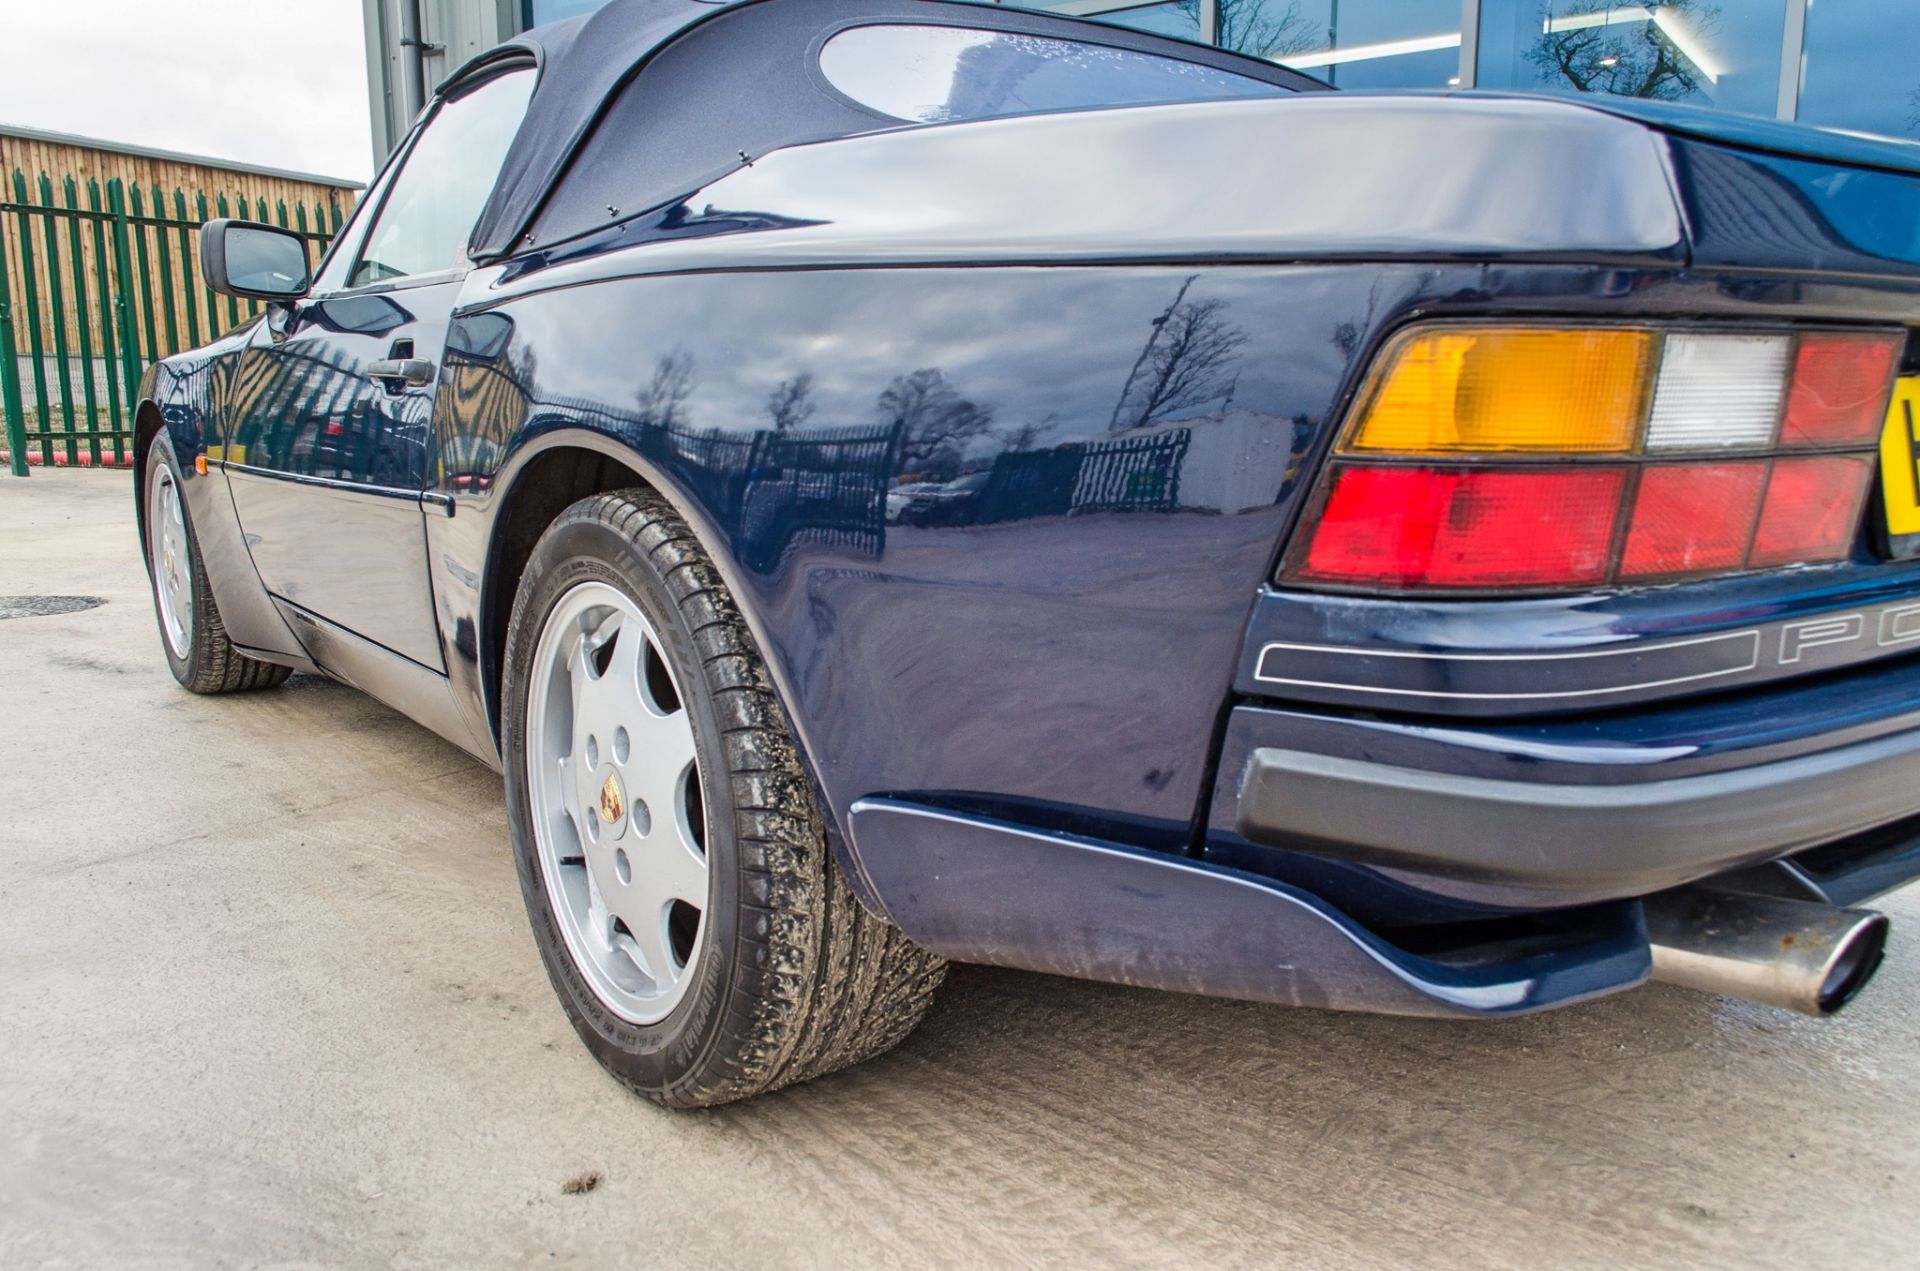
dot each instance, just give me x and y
(1629, 838)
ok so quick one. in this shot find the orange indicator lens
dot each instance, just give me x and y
(1486, 390)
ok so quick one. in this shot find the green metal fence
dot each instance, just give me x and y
(97, 283)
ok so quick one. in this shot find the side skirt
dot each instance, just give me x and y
(422, 695)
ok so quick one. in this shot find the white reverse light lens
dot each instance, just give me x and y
(1716, 392)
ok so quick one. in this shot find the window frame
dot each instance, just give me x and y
(390, 176)
(354, 231)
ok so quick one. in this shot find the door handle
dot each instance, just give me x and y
(413, 372)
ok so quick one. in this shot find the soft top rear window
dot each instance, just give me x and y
(944, 74)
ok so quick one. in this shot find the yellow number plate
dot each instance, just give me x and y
(1900, 459)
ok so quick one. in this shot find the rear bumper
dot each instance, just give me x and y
(1618, 839)
(1421, 820)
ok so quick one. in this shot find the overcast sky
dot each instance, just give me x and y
(279, 82)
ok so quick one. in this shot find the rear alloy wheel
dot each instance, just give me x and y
(674, 864)
(191, 633)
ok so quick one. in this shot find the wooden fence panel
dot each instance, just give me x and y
(94, 289)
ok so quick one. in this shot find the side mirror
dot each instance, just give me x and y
(258, 262)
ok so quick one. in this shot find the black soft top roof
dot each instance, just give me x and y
(603, 141)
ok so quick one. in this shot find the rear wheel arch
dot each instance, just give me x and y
(535, 489)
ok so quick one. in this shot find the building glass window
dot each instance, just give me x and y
(1351, 43)
(540, 12)
(1180, 19)
(1862, 67)
(1719, 53)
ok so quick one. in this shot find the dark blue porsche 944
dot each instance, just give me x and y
(891, 481)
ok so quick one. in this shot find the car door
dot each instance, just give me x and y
(328, 454)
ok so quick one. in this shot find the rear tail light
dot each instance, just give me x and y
(1811, 510)
(1692, 517)
(1454, 390)
(1537, 458)
(1718, 392)
(1468, 527)
(1840, 385)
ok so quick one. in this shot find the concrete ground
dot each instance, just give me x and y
(267, 996)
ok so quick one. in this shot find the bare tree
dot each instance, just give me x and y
(663, 399)
(1186, 363)
(1625, 59)
(522, 366)
(1346, 335)
(791, 404)
(1020, 438)
(936, 421)
(1259, 27)
(1913, 112)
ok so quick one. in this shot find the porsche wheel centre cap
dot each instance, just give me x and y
(613, 800)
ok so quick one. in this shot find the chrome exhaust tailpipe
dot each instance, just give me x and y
(1796, 954)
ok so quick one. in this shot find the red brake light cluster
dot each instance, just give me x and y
(1407, 526)
(1525, 457)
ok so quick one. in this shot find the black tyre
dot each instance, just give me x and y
(676, 873)
(191, 633)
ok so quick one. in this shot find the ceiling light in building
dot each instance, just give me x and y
(1672, 25)
(1367, 52)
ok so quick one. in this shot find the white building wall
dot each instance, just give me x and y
(1230, 458)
